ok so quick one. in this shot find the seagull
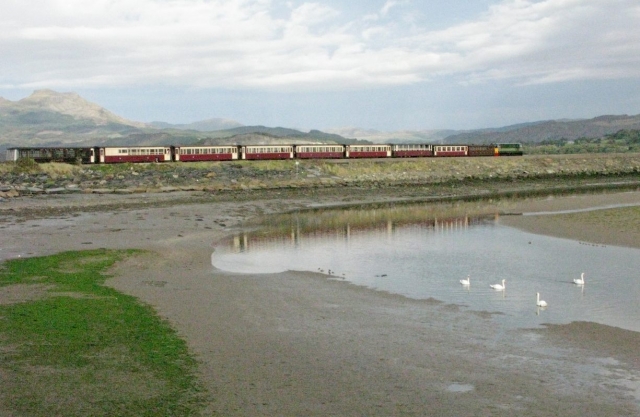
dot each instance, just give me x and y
(579, 281)
(498, 287)
(466, 281)
(539, 302)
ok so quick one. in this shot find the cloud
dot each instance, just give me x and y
(246, 44)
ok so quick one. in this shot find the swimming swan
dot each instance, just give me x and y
(539, 302)
(579, 281)
(466, 281)
(498, 286)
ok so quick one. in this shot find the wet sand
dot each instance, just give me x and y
(299, 343)
(618, 227)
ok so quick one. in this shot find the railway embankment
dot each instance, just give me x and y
(50, 179)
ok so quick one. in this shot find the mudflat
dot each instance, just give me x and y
(299, 343)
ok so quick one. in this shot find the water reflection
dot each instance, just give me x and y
(420, 254)
(299, 234)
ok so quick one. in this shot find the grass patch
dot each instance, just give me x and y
(60, 170)
(86, 349)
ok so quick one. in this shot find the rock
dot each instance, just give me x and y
(58, 190)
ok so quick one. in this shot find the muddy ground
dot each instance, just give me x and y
(302, 344)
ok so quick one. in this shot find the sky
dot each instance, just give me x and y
(372, 64)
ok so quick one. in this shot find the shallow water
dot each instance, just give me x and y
(427, 259)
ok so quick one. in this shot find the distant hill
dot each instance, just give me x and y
(273, 135)
(398, 136)
(549, 130)
(50, 102)
(281, 132)
(209, 125)
(47, 117)
(50, 118)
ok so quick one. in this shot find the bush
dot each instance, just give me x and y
(26, 165)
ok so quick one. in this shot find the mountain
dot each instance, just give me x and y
(549, 130)
(281, 132)
(70, 104)
(50, 118)
(209, 125)
(272, 135)
(398, 136)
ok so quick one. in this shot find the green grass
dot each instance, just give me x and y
(81, 348)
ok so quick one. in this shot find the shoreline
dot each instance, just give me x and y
(298, 343)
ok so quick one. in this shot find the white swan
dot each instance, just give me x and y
(579, 281)
(466, 281)
(539, 302)
(498, 287)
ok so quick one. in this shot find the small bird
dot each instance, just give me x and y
(539, 302)
(498, 287)
(466, 281)
(579, 281)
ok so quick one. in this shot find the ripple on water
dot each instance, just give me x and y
(457, 387)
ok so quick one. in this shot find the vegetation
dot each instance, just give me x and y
(620, 142)
(26, 165)
(72, 346)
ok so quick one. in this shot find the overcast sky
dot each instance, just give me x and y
(380, 64)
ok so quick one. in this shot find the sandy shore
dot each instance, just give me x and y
(301, 344)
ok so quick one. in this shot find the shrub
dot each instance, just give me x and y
(26, 165)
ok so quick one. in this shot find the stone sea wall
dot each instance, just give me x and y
(247, 175)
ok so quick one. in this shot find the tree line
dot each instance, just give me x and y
(622, 141)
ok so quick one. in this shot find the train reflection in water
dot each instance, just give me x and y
(298, 235)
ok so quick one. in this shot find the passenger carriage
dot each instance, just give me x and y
(205, 153)
(368, 151)
(481, 150)
(411, 151)
(319, 151)
(110, 155)
(450, 150)
(71, 154)
(266, 152)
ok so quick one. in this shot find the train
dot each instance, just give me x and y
(192, 153)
